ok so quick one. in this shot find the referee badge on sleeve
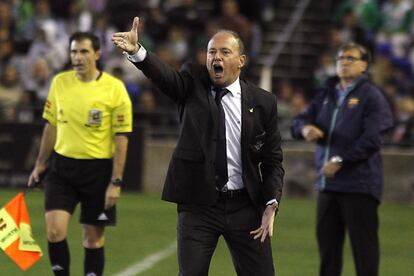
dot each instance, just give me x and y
(95, 117)
(120, 118)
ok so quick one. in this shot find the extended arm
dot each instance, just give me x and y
(171, 82)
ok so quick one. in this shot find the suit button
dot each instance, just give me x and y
(217, 177)
(215, 140)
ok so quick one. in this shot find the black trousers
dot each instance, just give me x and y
(199, 228)
(356, 213)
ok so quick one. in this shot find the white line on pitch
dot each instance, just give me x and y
(149, 261)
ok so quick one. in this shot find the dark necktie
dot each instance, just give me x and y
(221, 153)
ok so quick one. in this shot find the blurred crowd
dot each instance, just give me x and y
(387, 29)
(34, 42)
(34, 46)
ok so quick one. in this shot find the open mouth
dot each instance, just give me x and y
(218, 69)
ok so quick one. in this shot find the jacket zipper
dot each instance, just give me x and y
(328, 147)
(331, 129)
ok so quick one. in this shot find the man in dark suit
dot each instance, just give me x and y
(226, 172)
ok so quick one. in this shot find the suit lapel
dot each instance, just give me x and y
(211, 103)
(213, 108)
(247, 111)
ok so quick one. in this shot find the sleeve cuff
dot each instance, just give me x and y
(270, 202)
(138, 56)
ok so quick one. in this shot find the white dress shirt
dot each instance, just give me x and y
(231, 103)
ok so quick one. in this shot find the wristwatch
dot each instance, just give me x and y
(336, 159)
(116, 182)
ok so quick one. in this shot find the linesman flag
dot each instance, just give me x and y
(16, 233)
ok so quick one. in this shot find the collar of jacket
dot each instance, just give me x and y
(331, 83)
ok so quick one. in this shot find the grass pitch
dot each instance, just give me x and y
(146, 225)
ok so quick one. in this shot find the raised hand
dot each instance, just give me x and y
(128, 41)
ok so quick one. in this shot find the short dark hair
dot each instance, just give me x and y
(363, 51)
(78, 36)
(236, 36)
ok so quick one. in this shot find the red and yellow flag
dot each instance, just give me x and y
(16, 233)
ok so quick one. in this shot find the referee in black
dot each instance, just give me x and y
(88, 117)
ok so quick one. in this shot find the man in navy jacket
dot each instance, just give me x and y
(347, 120)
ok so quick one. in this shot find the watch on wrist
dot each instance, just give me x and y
(116, 182)
(336, 159)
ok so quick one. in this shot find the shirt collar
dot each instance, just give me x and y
(350, 86)
(234, 88)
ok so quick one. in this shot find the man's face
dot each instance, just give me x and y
(349, 65)
(83, 57)
(224, 61)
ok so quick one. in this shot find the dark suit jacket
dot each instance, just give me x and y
(191, 173)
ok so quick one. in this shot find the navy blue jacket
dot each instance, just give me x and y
(352, 130)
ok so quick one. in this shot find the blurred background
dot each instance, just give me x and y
(290, 46)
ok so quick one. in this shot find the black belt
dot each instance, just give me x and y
(232, 194)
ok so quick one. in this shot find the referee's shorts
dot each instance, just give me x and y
(70, 181)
